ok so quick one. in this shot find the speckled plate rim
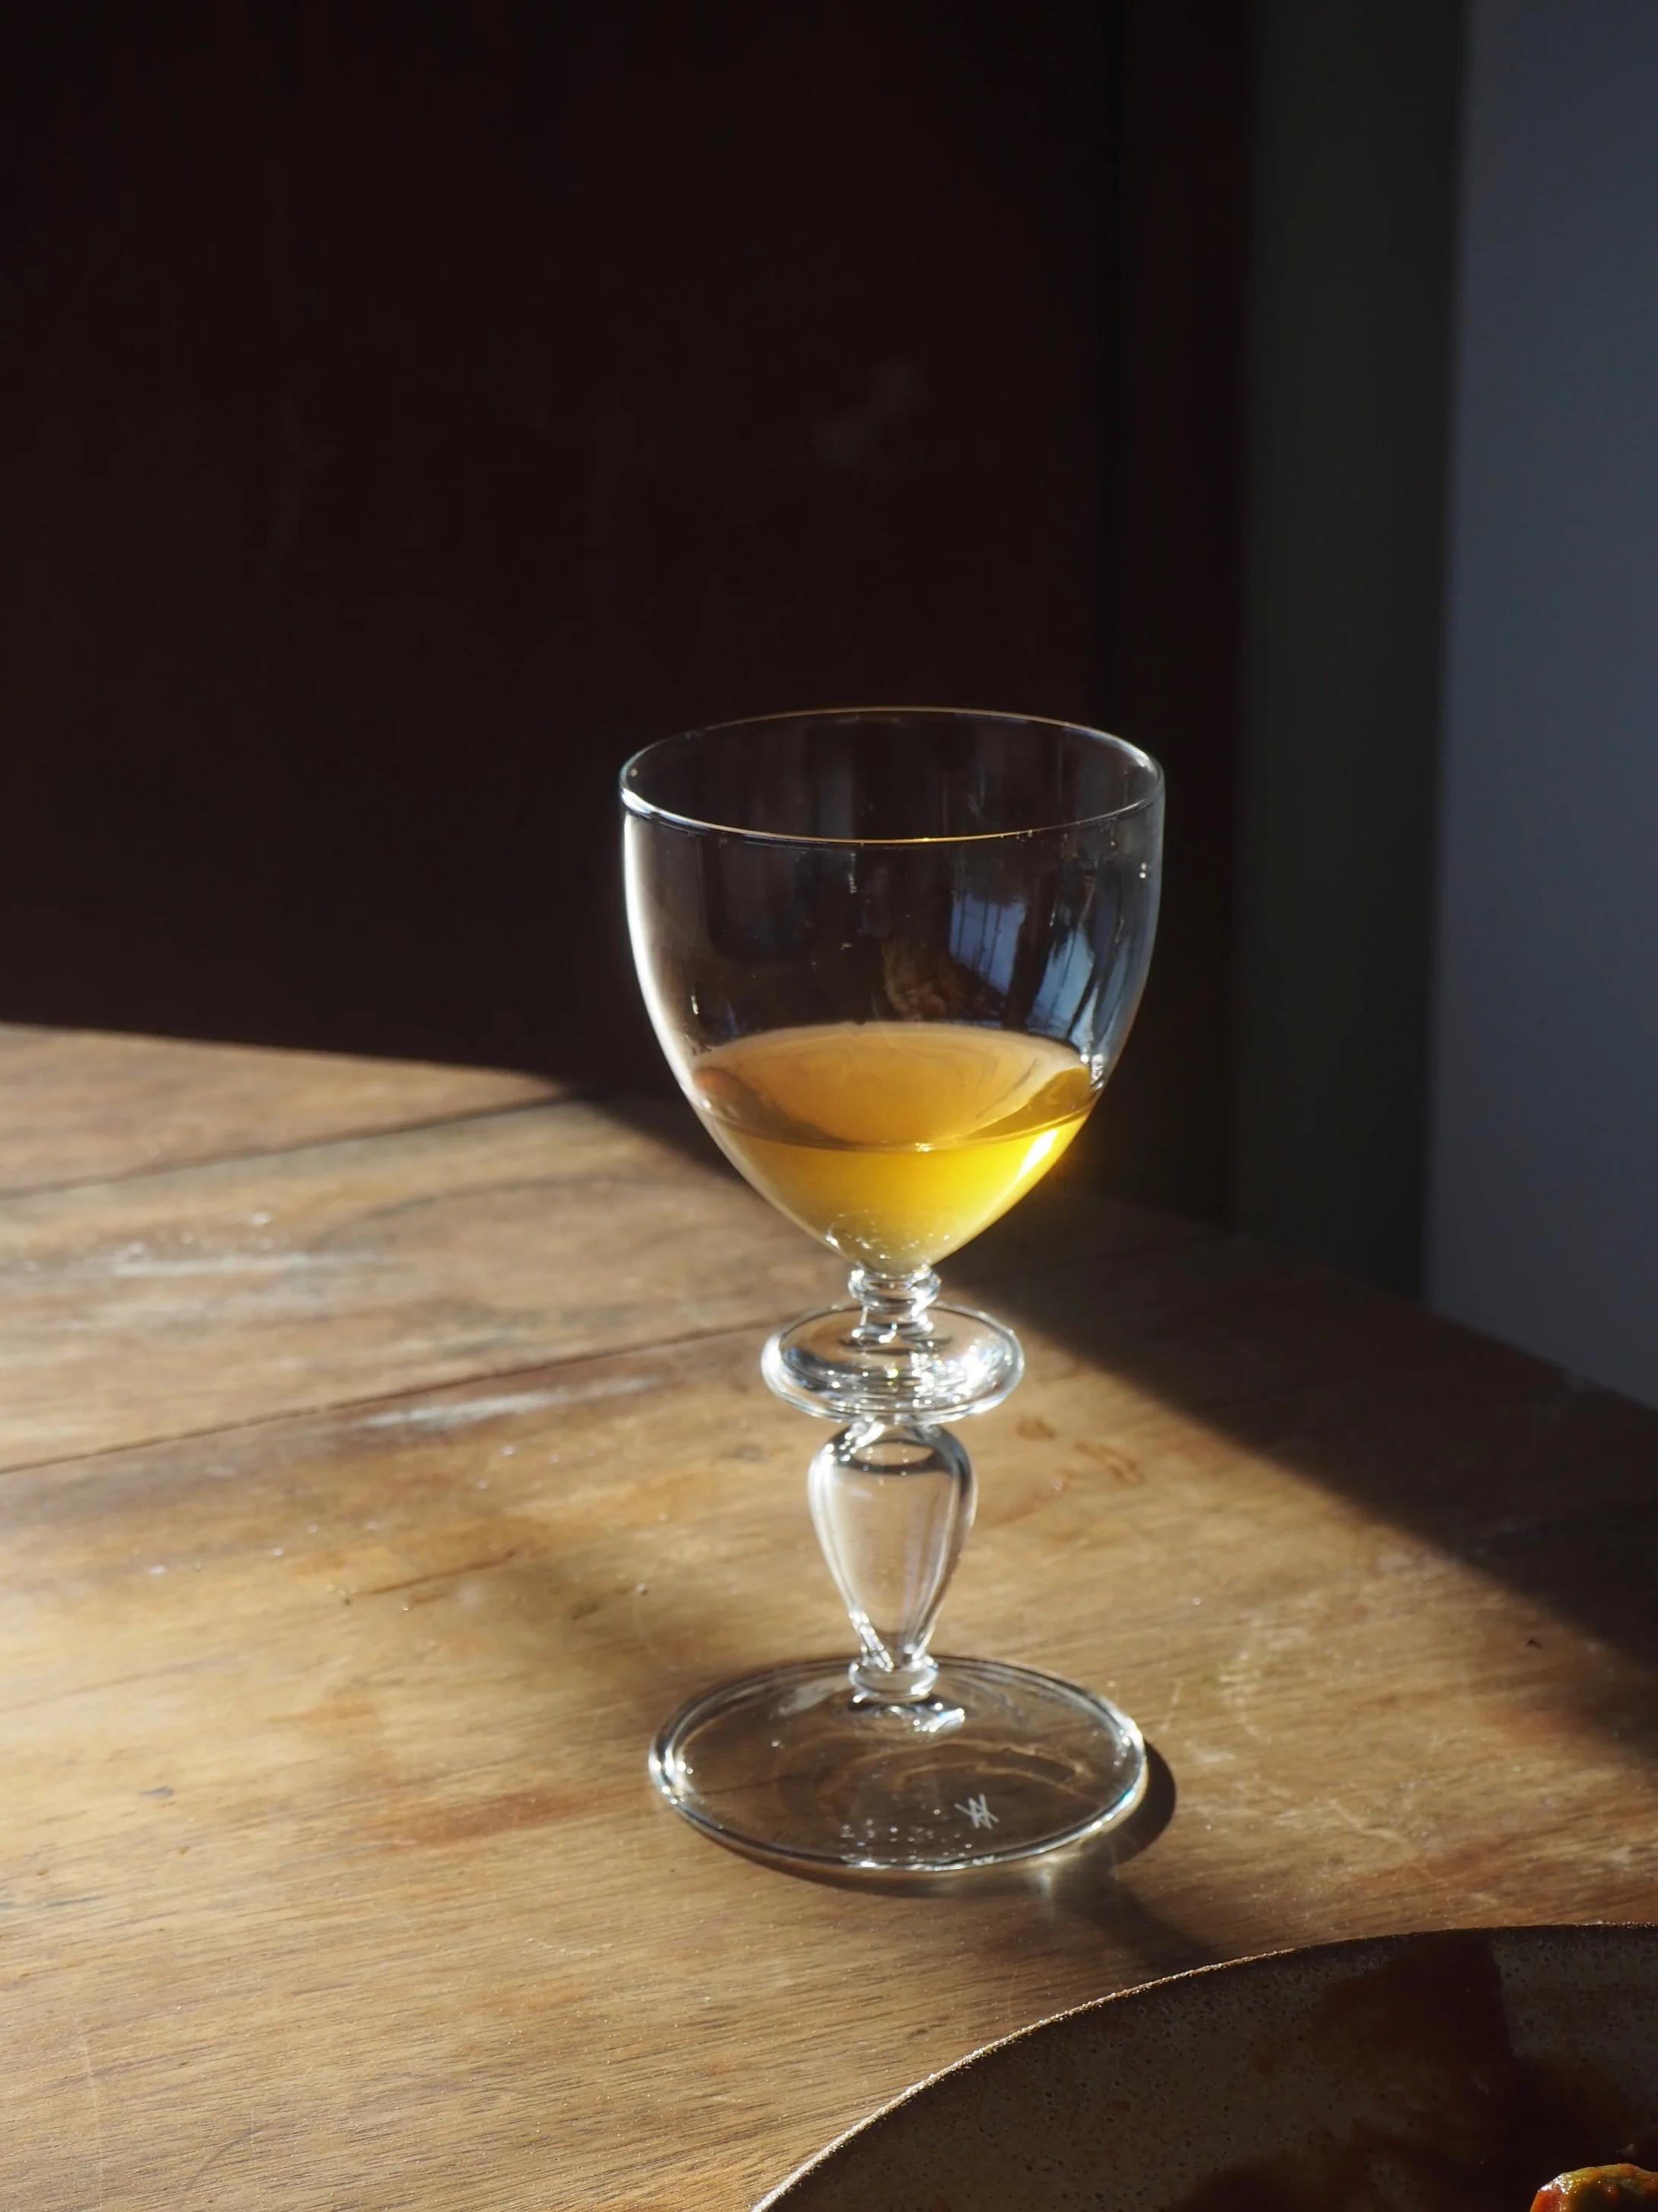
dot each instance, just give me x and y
(1363, 1950)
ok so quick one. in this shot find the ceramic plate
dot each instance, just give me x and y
(1441, 2073)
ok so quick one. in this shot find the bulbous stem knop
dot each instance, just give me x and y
(892, 1504)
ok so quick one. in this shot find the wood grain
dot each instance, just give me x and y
(332, 1872)
(176, 1302)
(330, 1876)
(80, 1107)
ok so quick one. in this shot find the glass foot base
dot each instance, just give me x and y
(996, 1763)
(965, 1362)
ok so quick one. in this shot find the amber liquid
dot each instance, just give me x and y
(894, 1141)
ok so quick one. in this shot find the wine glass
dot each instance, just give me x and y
(892, 955)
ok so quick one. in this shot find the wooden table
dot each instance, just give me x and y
(386, 1454)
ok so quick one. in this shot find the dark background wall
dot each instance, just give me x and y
(1356, 138)
(413, 408)
(1543, 1200)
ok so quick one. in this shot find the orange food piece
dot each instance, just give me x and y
(1598, 2189)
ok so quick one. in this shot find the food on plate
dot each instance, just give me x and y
(1598, 2189)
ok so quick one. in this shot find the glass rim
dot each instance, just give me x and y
(646, 810)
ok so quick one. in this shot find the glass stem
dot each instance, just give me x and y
(892, 1504)
(895, 1308)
